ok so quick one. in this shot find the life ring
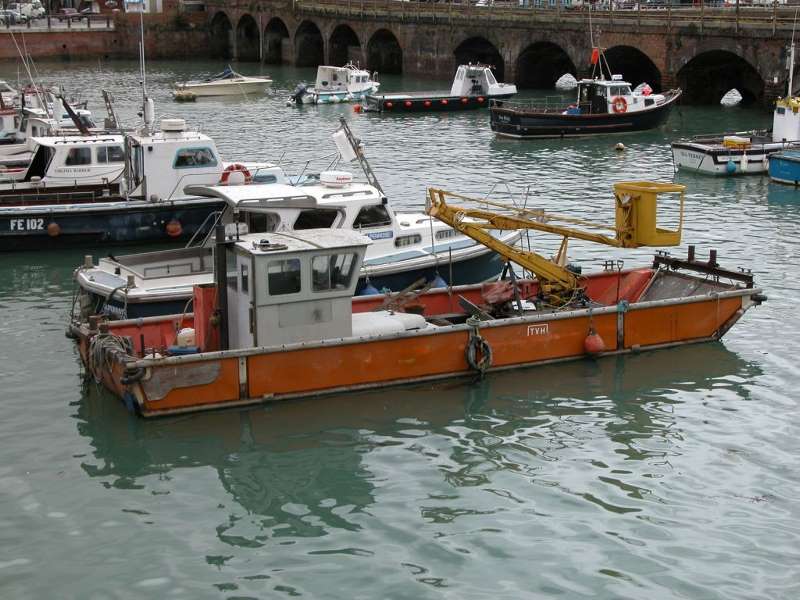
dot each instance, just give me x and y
(619, 104)
(235, 167)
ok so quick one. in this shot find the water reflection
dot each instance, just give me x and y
(306, 468)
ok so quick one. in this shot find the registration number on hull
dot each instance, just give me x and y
(34, 224)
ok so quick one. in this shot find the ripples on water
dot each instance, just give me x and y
(669, 474)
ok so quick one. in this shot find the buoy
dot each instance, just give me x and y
(427, 103)
(388, 105)
(369, 290)
(620, 147)
(53, 229)
(408, 103)
(174, 228)
(444, 101)
(730, 167)
(464, 100)
(438, 282)
(356, 108)
(593, 344)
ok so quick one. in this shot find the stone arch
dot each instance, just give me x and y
(309, 45)
(247, 39)
(384, 53)
(480, 50)
(541, 64)
(344, 46)
(634, 66)
(707, 76)
(275, 35)
(221, 36)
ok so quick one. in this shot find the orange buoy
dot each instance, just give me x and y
(444, 101)
(464, 100)
(480, 99)
(593, 344)
(174, 228)
(356, 108)
(408, 103)
(53, 229)
(388, 105)
(427, 103)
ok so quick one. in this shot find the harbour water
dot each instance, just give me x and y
(668, 474)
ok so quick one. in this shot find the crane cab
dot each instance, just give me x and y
(285, 288)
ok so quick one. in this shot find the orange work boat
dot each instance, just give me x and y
(282, 322)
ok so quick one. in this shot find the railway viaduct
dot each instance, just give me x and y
(704, 50)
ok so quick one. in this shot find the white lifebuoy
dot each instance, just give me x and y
(235, 168)
(619, 104)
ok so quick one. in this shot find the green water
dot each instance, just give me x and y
(670, 474)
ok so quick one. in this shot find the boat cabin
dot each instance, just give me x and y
(786, 120)
(285, 288)
(614, 96)
(478, 80)
(75, 160)
(9, 124)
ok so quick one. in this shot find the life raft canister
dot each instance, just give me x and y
(619, 104)
(235, 168)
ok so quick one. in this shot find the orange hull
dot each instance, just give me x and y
(158, 386)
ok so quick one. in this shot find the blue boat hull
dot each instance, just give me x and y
(52, 226)
(784, 169)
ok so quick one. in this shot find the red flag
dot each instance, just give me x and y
(595, 55)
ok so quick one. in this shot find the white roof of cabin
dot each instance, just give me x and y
(105, 140)
(300, 241)
(234, 195)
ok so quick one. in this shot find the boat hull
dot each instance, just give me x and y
(717, 160)
(161, 386)
(785, 168)
(227, 89)
(522, 123)
(43, 227)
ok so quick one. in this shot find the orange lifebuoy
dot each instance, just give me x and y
(174, 228)
(235, 167)
(619, 104)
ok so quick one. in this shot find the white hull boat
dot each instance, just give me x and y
(335, 85)
(227, 83)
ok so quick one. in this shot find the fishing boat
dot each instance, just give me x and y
(282, 321)
(605, 103)
(473, 87)
(112, 189)
(336, 84)
(227, 83)
(743, 152)
(784, 167)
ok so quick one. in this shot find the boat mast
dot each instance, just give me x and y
(791, 60)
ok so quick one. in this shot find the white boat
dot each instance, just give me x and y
(336, 84)
(745, 152)
(227, 83)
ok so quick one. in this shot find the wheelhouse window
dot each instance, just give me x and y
(316, 218)
(78, 156)
(188, 158)
(332, 271)
(446, 234)
(268, 178)
(283, 276)
(407, 240)
(375, 215)
(109, 154)
(262, 222)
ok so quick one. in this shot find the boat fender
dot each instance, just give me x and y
(593, 344)
(464, 100)
(478, 351)
(235, 168)
(408, 103)
(356, 108)
(730, 167)
(427, 103)
(389, 105)
(438, 282)
(480, 99)
(53, 229)
(174, 228)
(444, 102)
(369, 290)
(619, 104)
(620, 147)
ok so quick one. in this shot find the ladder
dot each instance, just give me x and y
(362, 160)
(111, 120)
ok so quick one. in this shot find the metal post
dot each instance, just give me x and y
(222, 285)
(737, 16)
(774, 16)
(702, 14)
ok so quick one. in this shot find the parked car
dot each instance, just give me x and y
(68, 14)
(12, 17)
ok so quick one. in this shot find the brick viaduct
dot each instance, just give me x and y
(705, 51)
